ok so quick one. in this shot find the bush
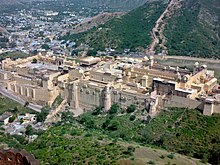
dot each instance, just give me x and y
(114, 109)
(171, 156)
(151, 162)
(132, 117)
(162, 156)
(11, 119)
(29, 130)
(41, 117)
(131, 108)
(34, 61)
(131, 148)
(97, 111)
(113, 125)
(26, 104)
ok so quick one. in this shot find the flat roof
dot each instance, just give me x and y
(39, 66)
(189, 90)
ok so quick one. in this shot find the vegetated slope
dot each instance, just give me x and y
(130, 31)
(70, 145)
(104, 5)
(9, 6)
(195, 29)
(184, 131)
(94, 22)
(116, 4)
(96, 137)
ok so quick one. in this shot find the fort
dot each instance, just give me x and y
(89, 82)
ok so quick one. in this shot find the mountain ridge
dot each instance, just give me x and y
(191, 29)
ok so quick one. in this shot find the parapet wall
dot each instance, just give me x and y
(14, 157)
(181, 102)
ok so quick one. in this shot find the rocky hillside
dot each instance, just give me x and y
(132, 30)
(13, 2)
(94, 22)
(12, 5)
(117, 4)
(121, 5)
(194, 29)
(191, 27)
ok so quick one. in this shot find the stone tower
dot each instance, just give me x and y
(75, 98)
(107, 100)
(144, 81)
(151, 61)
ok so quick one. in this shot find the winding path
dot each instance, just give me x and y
(157, 31)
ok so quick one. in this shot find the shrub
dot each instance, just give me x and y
(11, 119)
(151, 162)
(34, 61)
(171, 156)
(131, 108)
(29, 130)
(132, 117)
(97, 111)
(162, 156)
(114, 109)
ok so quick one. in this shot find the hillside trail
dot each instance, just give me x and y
(157, 32)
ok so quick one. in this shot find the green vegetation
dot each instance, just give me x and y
(41, 116)
(193, 29)
(13, 55)
(34, 61)
(10, 141)
(99, 137)
(70, 145)
(57, 101)
(11, 119)
(29, 130)
(12, 106)
(45, 46)
(178, 130)
(131, 31)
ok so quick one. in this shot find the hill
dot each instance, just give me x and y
(132, 30)
(9, 6)
(194, 29)
(190, 27)
(94, 22)
(121, 137)
(115, 4)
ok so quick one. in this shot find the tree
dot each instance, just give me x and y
(92, 53)
(26, 104)
(97, 111)
(132, 117)
(41, 116)
(114, 109)
(131, 108)
(34, 61)
(11, 119)
(47, 40)
(74, 52)
(45, 46)
(29, 130)
(87, 120)
(113, 126)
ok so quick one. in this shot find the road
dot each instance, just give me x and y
(10, 95)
